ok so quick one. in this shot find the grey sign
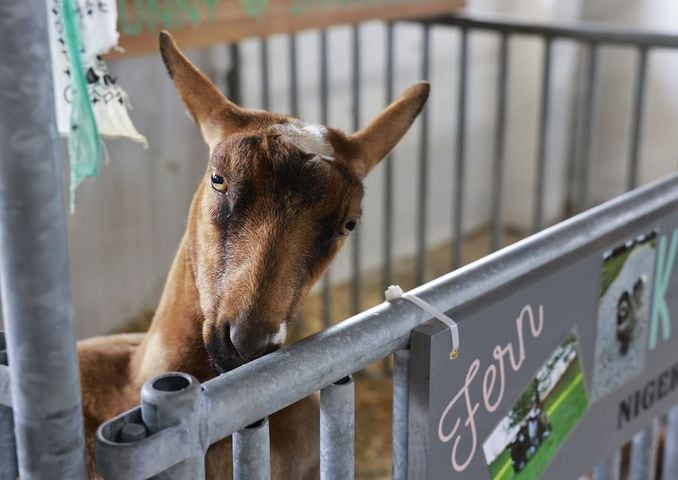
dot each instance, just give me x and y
(553, 374)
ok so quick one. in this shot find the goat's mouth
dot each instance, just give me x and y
(224, 356)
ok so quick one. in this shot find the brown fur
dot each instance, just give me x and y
(246, 262)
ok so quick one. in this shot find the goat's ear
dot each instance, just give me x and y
(375, 141)
(215, 115)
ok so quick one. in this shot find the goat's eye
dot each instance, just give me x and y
(218, 183)
(350, 225)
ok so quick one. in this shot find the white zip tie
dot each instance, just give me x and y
(394, 292)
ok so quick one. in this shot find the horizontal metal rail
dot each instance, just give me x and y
(284, 377)
(590, 31)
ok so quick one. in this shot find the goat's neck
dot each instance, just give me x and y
(174, 341)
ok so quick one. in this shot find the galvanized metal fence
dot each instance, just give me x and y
(184, 417)
(175, 409)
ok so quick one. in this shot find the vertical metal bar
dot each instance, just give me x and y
(608, 469)
(324, 115)
(670, 463)
(388, 166)
(265, 77)
(460, 154)
(422, 204)
(34, 277)
(401, 365)
(251, 452)
(644, 453)
(587, 127)
(167, 400)
(294, 80)
(573, 144)
(499, 144)
(8, 466)
(337, 434)
(355, 285)
(233, 75)
(540, 177)
(637, 118)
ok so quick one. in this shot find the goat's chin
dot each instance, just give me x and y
(220, 366)
(226, 359)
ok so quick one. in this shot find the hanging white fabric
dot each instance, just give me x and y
(99, 34)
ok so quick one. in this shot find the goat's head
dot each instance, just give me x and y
(275, 205)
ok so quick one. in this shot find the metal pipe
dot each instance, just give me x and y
(460, 169)
(355, 241)
(401, 397)
(251, 452)
(233, 75)
(608, 469)
(588, 122)
(294, 79)
(670, 464)
(387, 278)
(265, 76)
(337, 430)
(500, 145)
(172, 399)
(637, 118)
(324, 116)
(422, 203)
(644, 453)
(540, 177)
(9, 469)
(592, 32)
(34, 277)
(5, 385)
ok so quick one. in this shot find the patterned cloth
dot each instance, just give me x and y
(89, 102)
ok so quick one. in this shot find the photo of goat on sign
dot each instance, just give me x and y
(526, 439)
(623, 313)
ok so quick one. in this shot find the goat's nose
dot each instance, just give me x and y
(249, 344)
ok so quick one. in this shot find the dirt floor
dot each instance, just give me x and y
(373, 386)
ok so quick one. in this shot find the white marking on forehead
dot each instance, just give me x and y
(279, 337)
(307, 138)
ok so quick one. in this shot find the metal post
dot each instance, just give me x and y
(460, 154)
(670, 464)
(388, 165)
(355, 241)
(637, 118)
(167, 400)
(401, 365)
(265, 77)
(587, 128)
(251, 452)
(324, 117)
(233, 76)
(538, 218)
(294, 79)
(34, 277)
(337, 433)
(644, 453)
(422, 204)
(608, 469)
(499, 144)
(8, 466)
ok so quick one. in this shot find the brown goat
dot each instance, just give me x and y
(274, 207)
